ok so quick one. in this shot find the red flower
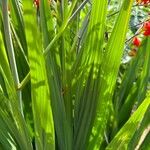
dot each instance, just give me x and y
(136, 41)
(143, 1)
(146, 28)
(36, 2)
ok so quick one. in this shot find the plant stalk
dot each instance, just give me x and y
(10, 50)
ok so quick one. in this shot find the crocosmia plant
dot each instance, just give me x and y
(74, 74)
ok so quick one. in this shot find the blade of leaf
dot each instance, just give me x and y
(43, 121)
(110, 67)
(125, 134)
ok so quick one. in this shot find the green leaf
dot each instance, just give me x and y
(12, 133)
(109, 71)
(141, 132)
(43, 120)
(137, 92)
(125, 134)
(87, 69)
(19, 129)
(18, 23)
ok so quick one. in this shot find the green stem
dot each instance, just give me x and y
(24, 82)
(62, 29)
(78, 9)
(10, 50)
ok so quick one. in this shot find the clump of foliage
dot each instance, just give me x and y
(74, 75)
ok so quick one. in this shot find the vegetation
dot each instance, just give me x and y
(74, 75)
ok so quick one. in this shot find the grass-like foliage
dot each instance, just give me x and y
(59, 72)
